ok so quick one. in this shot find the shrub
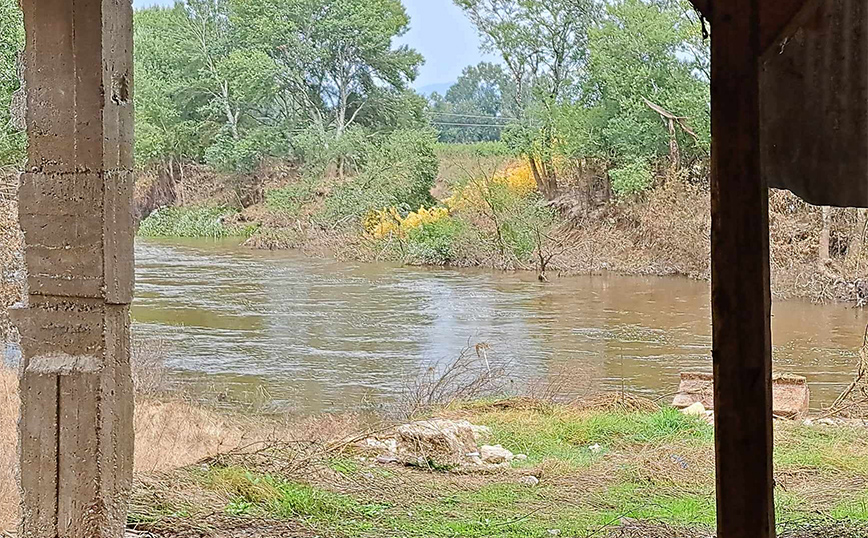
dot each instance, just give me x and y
(208, 222)
(245, 154)
(316, 148)
(389, 221)
(399, 171)
(434, 243)
(291, 198)
(524, 219)
(631, 178)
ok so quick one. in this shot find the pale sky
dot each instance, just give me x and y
(439, 31)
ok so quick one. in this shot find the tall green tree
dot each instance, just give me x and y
(648, 64)
(483, 95)
(544, 44)
(333, 55)
(199, 94)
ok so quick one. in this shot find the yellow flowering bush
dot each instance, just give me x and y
(388, 221)
(518, 180)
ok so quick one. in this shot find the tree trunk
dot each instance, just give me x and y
(853, 263)
(540, 182)
(341, 125)
(825, 236)
(674, 153)
(550, 176)
(231, 117)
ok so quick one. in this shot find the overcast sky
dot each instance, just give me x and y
(438, 30)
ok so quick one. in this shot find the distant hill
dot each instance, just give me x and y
(440, 88)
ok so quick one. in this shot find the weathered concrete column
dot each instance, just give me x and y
(76, 435)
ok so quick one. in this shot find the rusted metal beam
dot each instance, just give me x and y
(740, 276)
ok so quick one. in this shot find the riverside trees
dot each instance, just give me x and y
(230, 81)
(583, 75)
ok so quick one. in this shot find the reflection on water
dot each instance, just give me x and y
(324, 335)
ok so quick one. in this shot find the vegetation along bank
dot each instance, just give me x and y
(585, 149)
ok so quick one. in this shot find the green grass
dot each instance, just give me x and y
(854, 508)
(255, 494)
(568, 437)
(581, 493)
(838, 449)
(205, 222)
(647, 502)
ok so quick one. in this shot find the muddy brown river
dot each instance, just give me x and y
(312, 335)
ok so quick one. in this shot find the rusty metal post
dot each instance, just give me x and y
(76, 436)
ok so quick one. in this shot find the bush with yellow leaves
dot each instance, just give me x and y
(388, 221)
(517, 179)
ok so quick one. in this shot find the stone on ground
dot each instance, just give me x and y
(452, 443)
(695, 410)
(495, 455)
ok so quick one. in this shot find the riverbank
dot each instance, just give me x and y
(485, 211)
(605, 466)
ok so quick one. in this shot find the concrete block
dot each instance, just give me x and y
(79, 234)
(72, 194)
(695, 387)
(791, 397)
(790, 394)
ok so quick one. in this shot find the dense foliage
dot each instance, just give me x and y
(11, 43)
(617, 89)
(229, 82)
(587, 78)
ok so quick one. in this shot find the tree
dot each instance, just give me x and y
(544, 44)
(199, 95)
(12, 140)
(332, 55)
(482, 95)
(647, 64)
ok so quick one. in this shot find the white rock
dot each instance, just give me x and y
(595, 448)
(495, 454)
(808, 422)
(447, 441)
(521, 457)
(695, 410)
(826, 422)
(554, 532)
(529, 481)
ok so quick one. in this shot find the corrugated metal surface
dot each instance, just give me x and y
(814, 107)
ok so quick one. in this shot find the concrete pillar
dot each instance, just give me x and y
(76, 434)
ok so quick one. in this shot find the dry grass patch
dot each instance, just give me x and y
(8, 449)
(168, 435)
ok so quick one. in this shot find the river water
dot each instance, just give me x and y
(315, 335)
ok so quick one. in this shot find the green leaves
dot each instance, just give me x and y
(590, 81)
(648, 51)
(12, 142)
(331, 56)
